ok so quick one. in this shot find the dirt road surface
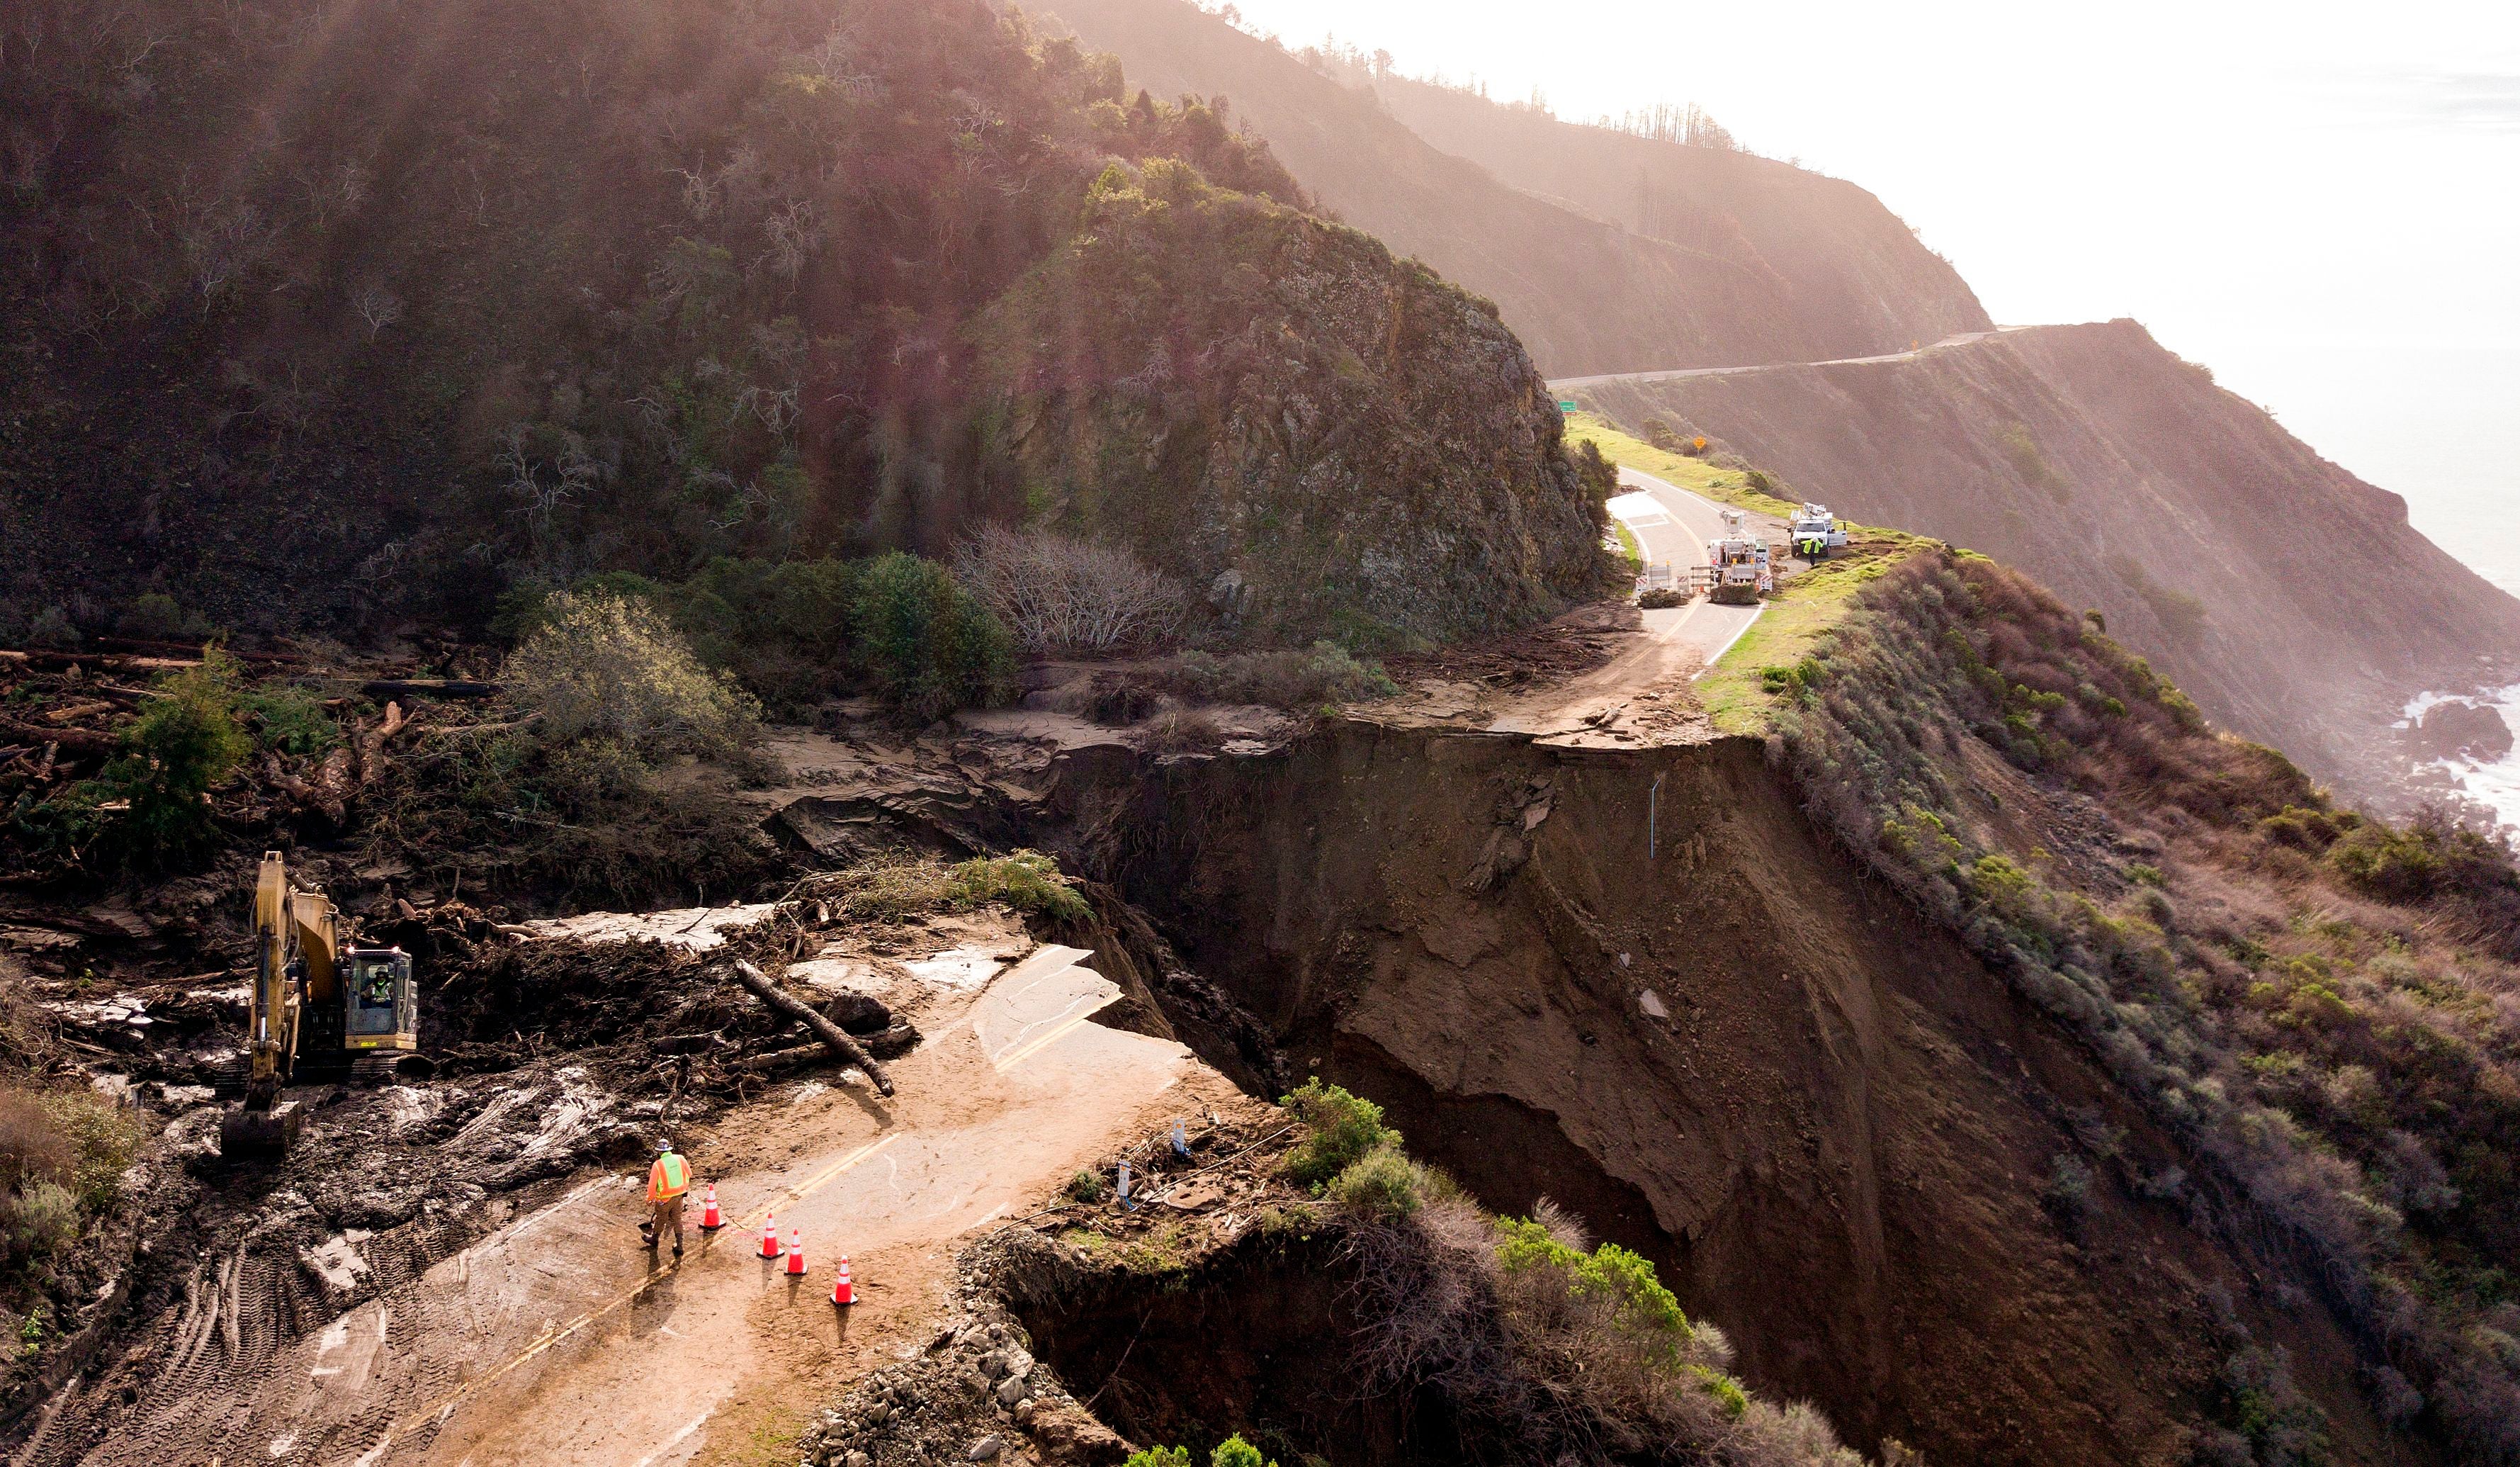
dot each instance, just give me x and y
(554, 1340)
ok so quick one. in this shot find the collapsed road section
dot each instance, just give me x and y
(435, 1275)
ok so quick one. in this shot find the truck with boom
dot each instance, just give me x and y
(1741, 568)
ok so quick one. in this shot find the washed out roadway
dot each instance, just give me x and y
(552, 1341)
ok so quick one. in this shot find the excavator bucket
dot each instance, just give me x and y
(259, 1133)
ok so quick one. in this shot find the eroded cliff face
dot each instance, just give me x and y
(1824, 1119)
(1742, 259)
(2289, 598)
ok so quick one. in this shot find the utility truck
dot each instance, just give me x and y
(1817, 534)
(1738, 564)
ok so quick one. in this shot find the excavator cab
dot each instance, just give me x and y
(380, 1009)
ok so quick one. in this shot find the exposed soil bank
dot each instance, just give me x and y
(1264, 1340)
(1825, 1119)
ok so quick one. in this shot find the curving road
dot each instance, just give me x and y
(1671, 525)
(1960, 338)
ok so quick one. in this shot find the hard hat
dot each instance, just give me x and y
(665, 1146)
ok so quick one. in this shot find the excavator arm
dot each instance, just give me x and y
(296, 943)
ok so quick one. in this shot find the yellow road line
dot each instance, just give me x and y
(1036, 1046)
(820, 1180)
(550, 1337)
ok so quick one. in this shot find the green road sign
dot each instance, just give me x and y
(1565, 407)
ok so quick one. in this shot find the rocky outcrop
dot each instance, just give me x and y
(1720, 258)
(1327, 440)
(2288, 597)
(2460, 730)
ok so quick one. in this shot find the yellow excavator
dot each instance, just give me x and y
(317, 1009)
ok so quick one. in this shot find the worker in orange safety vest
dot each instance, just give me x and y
(667, 1180)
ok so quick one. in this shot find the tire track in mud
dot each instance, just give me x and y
(266, 1301)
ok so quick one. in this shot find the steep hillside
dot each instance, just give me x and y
(2290, 598)
(360, 316)
(1742, 259)
(2002, 1059)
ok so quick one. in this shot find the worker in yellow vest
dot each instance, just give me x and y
(667, 1180)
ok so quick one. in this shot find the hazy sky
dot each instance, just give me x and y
(2319, 200)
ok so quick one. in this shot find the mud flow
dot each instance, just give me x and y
(1630, 982)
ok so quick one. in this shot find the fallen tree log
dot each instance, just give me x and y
(372, 743)
(429, 687)
(97, 660)
(776, 1060)
(835, 1039)
(75, 740)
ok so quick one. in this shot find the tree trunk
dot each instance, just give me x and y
(74, 740)
(429, 687)
(833, 1037)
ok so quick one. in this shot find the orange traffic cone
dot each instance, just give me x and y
(844, 1293)
(769, 1236)
(711, 1219)
(796, 1255)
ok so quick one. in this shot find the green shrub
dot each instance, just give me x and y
(928, 646)
(289, 721)
(150, 804)
(890, 886)
(1234, 1452)
(101, 1139)
(1381, 1186)
(614, 668)
(2431, 856)
(41, 1222)
(1086, 1186)
(1345, 1128)
(155, 616)
(2392, 866)
(1158, 1456)
(53, 627)
(1289, 678)
(1026, 880)
(2304, 829)
(1627, 1282)
(1727, 1393)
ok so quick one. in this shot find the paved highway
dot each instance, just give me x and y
(1672, 526)
(1963, 339)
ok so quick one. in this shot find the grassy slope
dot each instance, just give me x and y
(1736, 690)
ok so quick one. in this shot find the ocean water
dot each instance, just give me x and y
(2438, 423)
(2496, 785)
